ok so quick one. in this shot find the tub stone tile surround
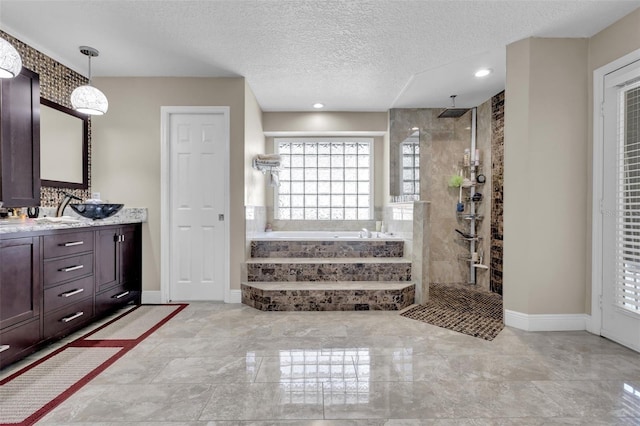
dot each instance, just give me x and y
(277, 299)
(338, 270)
(327, 249)
(317, 283)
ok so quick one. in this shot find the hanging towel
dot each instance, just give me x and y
(268, 157)
(266, 161)
(274, 180)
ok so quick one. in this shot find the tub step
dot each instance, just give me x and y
(328, 269)
(328, 249)
(328, 296)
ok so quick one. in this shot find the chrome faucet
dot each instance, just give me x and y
(65, 202)
(367, 233)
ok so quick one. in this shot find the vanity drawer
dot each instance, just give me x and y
(68, 318)
(67, 243)
(67, 268)
(15, 341)
(115, 297)
(67, 293)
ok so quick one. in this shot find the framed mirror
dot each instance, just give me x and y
(64, 146)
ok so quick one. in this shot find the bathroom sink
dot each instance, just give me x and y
(96, 211)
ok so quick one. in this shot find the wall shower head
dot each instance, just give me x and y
(452, 111)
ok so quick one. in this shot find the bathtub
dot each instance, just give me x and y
(320, 236)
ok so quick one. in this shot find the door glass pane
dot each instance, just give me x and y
(628, 235)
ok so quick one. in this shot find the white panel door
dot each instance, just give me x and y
(198, 163)
(621, 207)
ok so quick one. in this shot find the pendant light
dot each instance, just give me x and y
(87, 99)
(10, 62)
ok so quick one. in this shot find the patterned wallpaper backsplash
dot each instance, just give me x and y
(56, 84)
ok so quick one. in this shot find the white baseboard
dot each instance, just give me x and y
(155, 298)
(546, 322)
(234, 296)
(151, 297)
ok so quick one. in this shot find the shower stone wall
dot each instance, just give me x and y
(497, 169)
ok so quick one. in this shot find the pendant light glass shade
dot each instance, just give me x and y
(87, 99)
(10, 62)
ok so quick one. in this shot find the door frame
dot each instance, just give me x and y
(165, 194)
(595, 325)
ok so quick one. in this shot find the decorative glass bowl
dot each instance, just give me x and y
(96, 211)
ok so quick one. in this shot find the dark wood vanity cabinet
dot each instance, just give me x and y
(20, 140)
(55, 282)
(20, 297)
(118, 267)
(68, 281)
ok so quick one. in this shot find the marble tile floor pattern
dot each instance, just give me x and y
(217, 364)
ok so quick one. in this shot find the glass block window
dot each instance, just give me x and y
(325, 179)
(410, 157)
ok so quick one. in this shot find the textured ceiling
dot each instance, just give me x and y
(351, 55)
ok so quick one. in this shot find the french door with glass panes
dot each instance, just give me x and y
(621, 207)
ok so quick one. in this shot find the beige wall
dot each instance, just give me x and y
(321, 123)
(318, 122)
(545, 181)
(548, 160)
(254, 181)
(126, 152)
(613, 42)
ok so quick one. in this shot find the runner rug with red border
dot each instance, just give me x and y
(33, 391)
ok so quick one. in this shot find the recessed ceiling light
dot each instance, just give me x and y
(318, 105)
(483, 72)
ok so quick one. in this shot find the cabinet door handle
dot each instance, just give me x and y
(121, 295)
(72, 292)
(73, 243)
(71, 268)
(4, 348)
(72, 317)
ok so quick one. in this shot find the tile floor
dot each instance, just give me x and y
(216, 364)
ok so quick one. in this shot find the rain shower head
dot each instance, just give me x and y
(452, 111)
